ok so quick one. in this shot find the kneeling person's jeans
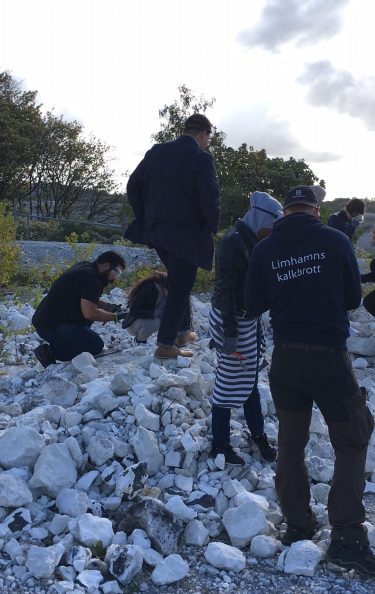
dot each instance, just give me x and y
(69, 340)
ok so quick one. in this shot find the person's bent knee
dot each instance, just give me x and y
(96, 346)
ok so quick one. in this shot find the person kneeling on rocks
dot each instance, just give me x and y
(64, 317)
(146, 304)
(236, 335)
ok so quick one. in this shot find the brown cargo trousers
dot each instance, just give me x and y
(299, 376)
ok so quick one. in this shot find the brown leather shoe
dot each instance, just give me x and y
(172, 352)
(185, 339)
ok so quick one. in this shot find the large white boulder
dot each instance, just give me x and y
(244, 522)
(20, 446)
(172, 569)
(54, 470)
(91, 529)
(302, 558)
(59, 390)
(223, 556)
(14, 492)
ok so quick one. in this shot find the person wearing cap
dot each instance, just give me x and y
(347, 220)
(236, 335)
(305, 273)
(174, 194)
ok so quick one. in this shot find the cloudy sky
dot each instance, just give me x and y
(295, 77)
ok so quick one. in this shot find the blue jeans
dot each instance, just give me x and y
(221, 420)
(69, 340)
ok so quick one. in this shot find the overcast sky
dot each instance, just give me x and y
(295, 77)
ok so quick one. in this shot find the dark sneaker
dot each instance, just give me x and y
(267, 452)
(362, 559)
(43, 355)
(295, 533)
(231, 458)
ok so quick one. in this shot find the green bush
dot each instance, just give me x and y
(9, 252)
(57, 231)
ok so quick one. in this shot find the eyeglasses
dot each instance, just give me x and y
(117, 270)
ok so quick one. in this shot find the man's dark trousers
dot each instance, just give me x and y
(176, 315)
(69, 340)
(298, 377)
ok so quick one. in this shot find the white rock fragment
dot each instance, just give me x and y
(72, 502)
(321, 470)
(185, 483)
(13, 491)
(225, 557)
(302, 558)
(82, 360)
(179, 510)
(172, 569)
(58, 390)
(196, 533)
(54, 470)
(90, 578)
(124, 562)
(91, 529)
(244, 522)
(20, 446)
(100, 448)
(42, 561)
(147, 449)
(146, 418)
(264, 546)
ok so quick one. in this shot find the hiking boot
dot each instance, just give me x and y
(267, 452)
(172, 352)
(295, 533)
(185, 339)
(231, 458)
(360, 558)
(43, 355)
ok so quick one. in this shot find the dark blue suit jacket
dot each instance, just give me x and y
(174, 194)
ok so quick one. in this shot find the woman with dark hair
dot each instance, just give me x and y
(146, 302)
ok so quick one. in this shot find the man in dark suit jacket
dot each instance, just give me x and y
(174, 194)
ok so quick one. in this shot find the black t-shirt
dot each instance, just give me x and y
(62, 305)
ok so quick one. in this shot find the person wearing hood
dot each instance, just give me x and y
(236, 335)
(306, 274)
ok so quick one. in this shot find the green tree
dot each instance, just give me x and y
(21, 126)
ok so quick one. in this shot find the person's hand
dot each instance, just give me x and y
(229, 345)
(111, 307)
(120, 315)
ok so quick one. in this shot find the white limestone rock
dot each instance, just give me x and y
(91, 529)
(318, 424)
(196, 533)
(139, 537)
(180, 511)
(72, 502)
(100, 448)
(90, 578)
(260, 501)
(184, 483)
(360, 363)
(172, 569)
(244, 522)
(147, 450)
(173, 459)
(264, 546)
(223, 556)
(124, 562)
(79, 557)
(20, 446)
(302, 558)
(14, 492)
(82, 360)
(320, 469)
(146, 418)
(54, 470)
(233, 487)
(122, 383)
(42, 561)
(152, 557)
(320, 492)
(361, 346)
(59, 390)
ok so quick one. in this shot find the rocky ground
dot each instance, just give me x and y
(106, 483)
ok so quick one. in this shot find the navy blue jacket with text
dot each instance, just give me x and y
(174, 194)
(307, 275)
